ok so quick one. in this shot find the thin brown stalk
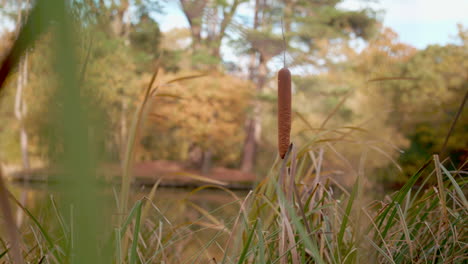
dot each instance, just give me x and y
(28, 33)
(85, 63)
(234, 227)
(337, 107)
(129, 153)
(393, 79)
(129, 156)
(10, 226)
(454, 122)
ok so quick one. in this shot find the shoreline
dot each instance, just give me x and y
(169, 174)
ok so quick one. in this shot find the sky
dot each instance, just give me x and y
(421, 22)
(418, 22)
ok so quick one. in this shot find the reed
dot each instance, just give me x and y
(284, 103)
(284, 110)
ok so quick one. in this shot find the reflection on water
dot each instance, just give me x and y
(181, 225)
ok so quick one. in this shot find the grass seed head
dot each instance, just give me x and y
(284, 110)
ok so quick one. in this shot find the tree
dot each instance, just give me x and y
(212, 17)
(306, 24)
(399, 97)
(209, 21)
(115, 17)
(427, 106)
(205, 114)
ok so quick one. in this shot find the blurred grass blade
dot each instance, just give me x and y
(337, 107)
(65, 229)
(393, 79)
(185, 78)
(3, 253)
(118, 245)
(169, 95)
(201, 178)
(206, 214)
(136, 231)
(149, 200)
(304, 120)
(36, 24)
(454, 122)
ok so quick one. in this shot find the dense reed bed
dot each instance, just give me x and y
(290, 217)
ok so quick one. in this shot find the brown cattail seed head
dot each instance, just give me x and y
(284, 110)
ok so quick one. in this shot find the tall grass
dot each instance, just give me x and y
(288, 218)
(304, 223)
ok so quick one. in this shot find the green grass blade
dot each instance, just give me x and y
(405, 230)
(261, 242)
(349, 207)
(50, 242)
(381, 251)
(455, 185)
(296, 220)
(134, 210)
(118, 246)
(243, 255)
(399, 197)
(204, 248)
(3, 253)
(63, 226)
(133, 252)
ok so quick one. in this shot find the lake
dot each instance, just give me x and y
(193, 225)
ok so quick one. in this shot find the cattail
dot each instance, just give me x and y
(284, 110)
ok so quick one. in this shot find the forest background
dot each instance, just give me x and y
(382, 98)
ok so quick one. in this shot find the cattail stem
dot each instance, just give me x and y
(284, 110)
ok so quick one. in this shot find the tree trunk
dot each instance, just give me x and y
(193, 11)
(120, 27)
(253, 124)
(20, 111)
(254, 128)
(250, 145)
(123, 130)
(196, 37)
(206, 162)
